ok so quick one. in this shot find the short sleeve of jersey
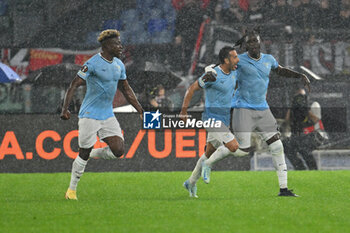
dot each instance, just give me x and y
(203, 84)
(86, 70)
(274, 63)
(123, 73)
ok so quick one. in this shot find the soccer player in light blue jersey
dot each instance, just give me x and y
(218, 83)
(250, 108)
(102, 74)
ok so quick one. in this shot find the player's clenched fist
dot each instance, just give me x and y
(65, 114)
(210, 74)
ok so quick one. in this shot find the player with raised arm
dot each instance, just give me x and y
(218, 83)
(102, 74)
(250, 108)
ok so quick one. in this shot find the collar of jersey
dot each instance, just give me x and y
(105, 58)
(254, 58)
(223, 71)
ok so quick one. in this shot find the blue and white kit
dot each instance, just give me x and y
(218, 96)
(96, 112)
(251, 111)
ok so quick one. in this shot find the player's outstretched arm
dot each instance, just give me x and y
(130, 96)
(187, 99)
(76, 82)
(280, 70)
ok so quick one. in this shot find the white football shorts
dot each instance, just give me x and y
(90, 128)
(217, 137)
(245, 121)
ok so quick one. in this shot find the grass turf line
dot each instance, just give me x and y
(157, 202)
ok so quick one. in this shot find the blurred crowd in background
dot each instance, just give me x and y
(172, 23)
(75, 24)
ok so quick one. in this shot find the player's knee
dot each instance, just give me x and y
(118, 152)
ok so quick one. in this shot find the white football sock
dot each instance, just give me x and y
(240, 153)
(276, 149)
(102, 153)
(78, 168)
(218, 155)
(196, 174)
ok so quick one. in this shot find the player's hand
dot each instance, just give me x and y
(210, 74)
(65, 115)
(306, 81)
(183, 115)
(210, 68)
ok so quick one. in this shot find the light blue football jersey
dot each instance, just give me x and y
(218, 96)
(253, 81)
(101, 78)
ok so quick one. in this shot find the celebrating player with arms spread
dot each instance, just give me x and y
(250, 109)
(102, 74)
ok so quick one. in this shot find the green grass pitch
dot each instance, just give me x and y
(157, 202)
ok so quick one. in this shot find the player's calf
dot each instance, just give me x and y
(232, 145)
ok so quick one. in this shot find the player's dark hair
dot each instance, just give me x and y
(224, 53)
(107, 34)
(249, 32)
